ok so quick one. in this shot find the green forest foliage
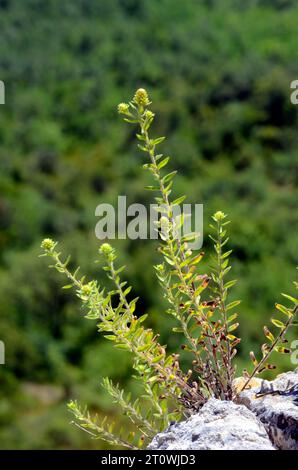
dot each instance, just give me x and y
(220, 73)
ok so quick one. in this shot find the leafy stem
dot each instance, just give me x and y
(275, 342)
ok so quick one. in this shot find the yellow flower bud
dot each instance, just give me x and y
(141, 97)
(123, 108)
(48, 244)
(105, 249)
(149, 114)
(219, 215)
(86, 290)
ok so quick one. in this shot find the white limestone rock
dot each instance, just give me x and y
(278, 413)
(218, 425)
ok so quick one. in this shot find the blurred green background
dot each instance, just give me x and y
(219, 74)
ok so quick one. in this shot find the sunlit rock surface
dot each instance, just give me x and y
(278, 412)
(218, 425)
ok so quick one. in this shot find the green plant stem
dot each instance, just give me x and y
(222, 305)
(176, 261)
(279, 338)
(100, 432)
(130, 410)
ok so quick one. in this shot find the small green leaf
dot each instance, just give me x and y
(159, 140)
(157, 358)
(295, 301)
(232, 317)
(233, 304)
(230, 284)
(127, 291)
(233, 327)
(144, 347)
(268, 334)
(178, 201)
(169, 261)
(169, 176)
(231, 337)
(110, 337)
(253, 358)
(277, 323)
(163, 163)
(141, 147)
(177, 329)
(125, 347)
(284, 310)
(282, 350)
(143, 318)
(226, 254)
(197, 258)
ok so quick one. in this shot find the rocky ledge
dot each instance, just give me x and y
(218, 425)
(264, 418)
(275, 404)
